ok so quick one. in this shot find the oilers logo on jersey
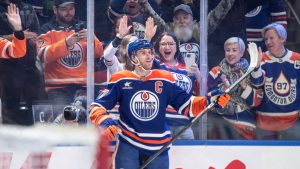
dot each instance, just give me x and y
(75, 57)
(282, 92)
(183, 81)
(190, 48)
(144, 105)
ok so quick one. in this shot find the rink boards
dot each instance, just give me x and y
(183, 155)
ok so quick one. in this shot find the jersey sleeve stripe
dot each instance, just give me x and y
(3, 55)
(180, 111)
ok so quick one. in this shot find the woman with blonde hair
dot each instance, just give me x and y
(235, 121)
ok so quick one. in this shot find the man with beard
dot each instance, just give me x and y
(186, 30)
(62, 50)
(22, 81)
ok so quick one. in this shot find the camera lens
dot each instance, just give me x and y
(70, 113)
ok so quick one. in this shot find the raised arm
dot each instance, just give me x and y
(13, 17)
(16, 48)
(111, 61)
(150, 29)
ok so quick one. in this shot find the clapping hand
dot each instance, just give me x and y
(123, 27)
(13, 17)
(150, 29)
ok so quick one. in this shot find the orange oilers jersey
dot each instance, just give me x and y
(14, 49)
(64, 66)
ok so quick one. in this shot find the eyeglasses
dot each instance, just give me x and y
(164, 44)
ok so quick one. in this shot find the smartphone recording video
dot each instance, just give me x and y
(79, 26)
(189, 59)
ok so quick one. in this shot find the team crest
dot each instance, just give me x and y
(281, 92)
(183, 81)
(144, 105)
(75, 57)
(190, 48)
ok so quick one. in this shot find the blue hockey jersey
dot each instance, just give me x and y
(143, 101)
(187, 83)
(280, 80)
(261, 16)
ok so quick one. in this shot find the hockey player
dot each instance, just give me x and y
(278, 74)
(143, 95)
(16, 48)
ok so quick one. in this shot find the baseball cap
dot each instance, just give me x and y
(184, 8)
(63, 3)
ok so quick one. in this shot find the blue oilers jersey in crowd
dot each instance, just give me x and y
(280, 80)
(261, 16)
(143, 101)
(185, 82)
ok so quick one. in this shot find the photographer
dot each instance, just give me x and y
(62, 48)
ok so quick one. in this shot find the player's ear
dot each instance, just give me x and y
(134, 59)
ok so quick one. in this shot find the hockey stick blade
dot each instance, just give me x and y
(252, 49)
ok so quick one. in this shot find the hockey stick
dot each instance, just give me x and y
(252, 49)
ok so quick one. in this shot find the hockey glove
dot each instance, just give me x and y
(110, 125)
(219, 97)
